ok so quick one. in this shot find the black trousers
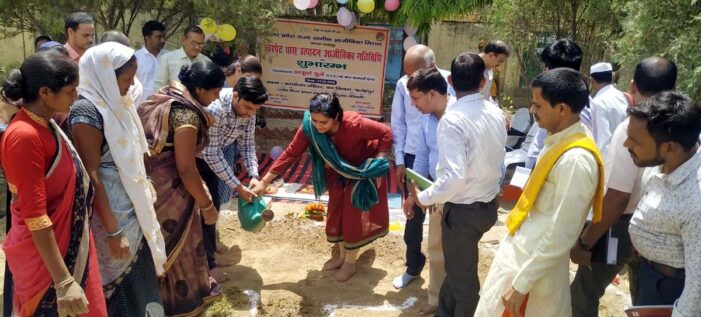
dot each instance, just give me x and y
(209, 232)
(463, 227)
(590, 283)
(414, 232)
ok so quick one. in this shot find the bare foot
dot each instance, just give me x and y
(333, 264)
(221, 248)
(224, 262)
(345, 272)
(428, 310)
(218, 275)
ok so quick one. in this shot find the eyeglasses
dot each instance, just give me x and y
(196, 44)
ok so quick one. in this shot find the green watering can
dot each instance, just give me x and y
(254, 215)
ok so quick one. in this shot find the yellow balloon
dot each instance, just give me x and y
(366, 6)
(226, 32)
(208, 25)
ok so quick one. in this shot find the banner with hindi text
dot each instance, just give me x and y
(304, 58)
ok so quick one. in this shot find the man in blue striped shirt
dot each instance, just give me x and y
(429, 94)
(234, 121)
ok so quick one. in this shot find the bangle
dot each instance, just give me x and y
(64, 283)
(116, 233)
(211, 204)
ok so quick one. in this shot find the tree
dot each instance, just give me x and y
(671, 29)
(251, 17)
(530, 25)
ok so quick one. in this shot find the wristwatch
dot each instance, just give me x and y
(583, 244)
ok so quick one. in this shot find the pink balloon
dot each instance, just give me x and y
(313, 3)
(344, 16)
(391, 5)
(275, 152)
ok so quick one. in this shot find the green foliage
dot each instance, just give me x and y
(530, 25)
(671, 29)
(251, 17)
(621, 31)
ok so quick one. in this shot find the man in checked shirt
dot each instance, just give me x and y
(234, 121)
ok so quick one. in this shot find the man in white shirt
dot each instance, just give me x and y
(532, 263)
(495, 53)
(147, 56)
(567, 54)
(169, 64)
(429, 93)
(666, 227)
(611, 104)
(623, 178)
(405, 119)
(471, 141)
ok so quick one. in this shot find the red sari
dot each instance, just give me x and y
(356, 140)
(49, 189)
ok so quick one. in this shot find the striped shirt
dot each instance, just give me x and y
(227, 129)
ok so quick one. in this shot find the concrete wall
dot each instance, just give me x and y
(448, 39)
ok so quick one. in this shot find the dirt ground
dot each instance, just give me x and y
(278, 273)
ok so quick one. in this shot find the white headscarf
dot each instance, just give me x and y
(125, 136)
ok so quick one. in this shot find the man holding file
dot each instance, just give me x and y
(471, 137)
(429, 94)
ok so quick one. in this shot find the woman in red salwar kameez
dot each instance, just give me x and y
(49, 247)
(356, 139)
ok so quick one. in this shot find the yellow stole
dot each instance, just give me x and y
(540, 173)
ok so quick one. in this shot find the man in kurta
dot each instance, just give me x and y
(531, 267)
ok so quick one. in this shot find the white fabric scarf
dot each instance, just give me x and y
(125, 136)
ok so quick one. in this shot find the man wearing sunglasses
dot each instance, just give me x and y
(169, 64)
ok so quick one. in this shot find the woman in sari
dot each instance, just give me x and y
(130, 246)
(49, 248)
(176, 125)
(347, 153)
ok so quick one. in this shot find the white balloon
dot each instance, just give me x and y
(344, 16)
(409, 42)
(302, 4)
(353, 22)
(410, 30)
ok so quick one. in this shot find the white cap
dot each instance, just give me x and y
(600, 68)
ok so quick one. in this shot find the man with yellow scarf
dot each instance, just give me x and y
(530, 272)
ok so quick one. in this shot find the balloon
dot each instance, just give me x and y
(366, 6)
(391, 5)
(208, 25)
(226, 32)
(352, 24)
(302, 4)
(275, 152)
(410, 30)
(409, 42)
(342, 1)
(313, 3)
(344, 16)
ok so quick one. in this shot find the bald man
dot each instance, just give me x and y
(405, 121)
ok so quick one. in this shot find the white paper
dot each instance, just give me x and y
(520, 177)
(612, 250)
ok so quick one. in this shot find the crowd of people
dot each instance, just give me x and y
(118, 162)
